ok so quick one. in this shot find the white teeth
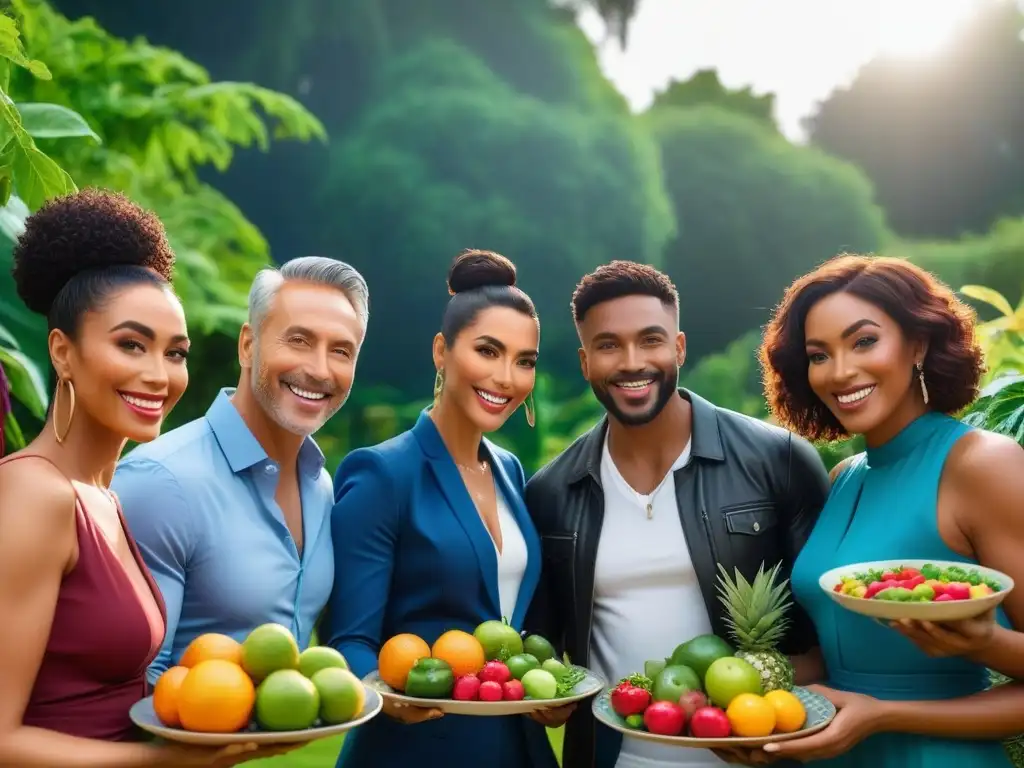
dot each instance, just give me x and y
(853, 397)
(635, 384)
(149, 405)
(305, 393)
(492, 398)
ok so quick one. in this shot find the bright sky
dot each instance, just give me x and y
(798, 49)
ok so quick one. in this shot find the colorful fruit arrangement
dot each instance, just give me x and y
(263, 683)
(493, 664)
(708, 689)
(929, 584)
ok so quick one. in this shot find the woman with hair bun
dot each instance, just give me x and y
(84, 614)
(878, 347)
(430, 530)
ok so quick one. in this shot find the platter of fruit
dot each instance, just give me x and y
(927, 590)
(491, 672)
(262, 691)
(712, 693)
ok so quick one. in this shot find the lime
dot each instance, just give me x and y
(268, 648)
(540, 684)
(700, 652)
(539, 647)
(673, 681)
(342, 696)
(287, 701)
(555, 667)
(318, 657)
(728, 677)
(520, 664)
(498, 639)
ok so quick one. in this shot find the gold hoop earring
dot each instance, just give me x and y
(62, 436)
(920, 377)
(531, 410)
(438, 383)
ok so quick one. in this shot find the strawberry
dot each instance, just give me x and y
(467, 688)
(628, 699)
(909, 573)
(838, 587)
(945, 597)
(875, 587)
(912, 581)
(958, 590)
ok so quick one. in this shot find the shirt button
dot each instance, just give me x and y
(757, 527)
(270, 469)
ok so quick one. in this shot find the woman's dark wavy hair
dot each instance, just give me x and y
(925, 308)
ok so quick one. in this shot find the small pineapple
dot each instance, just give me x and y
(757, 622)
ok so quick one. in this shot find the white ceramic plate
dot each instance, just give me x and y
(952, 610)
(142, 715)
(820, 712)
(591, 685)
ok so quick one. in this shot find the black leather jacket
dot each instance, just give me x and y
(751, 493)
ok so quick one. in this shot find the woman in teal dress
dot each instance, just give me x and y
(877, 347)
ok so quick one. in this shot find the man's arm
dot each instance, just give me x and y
(160, 519)
(806, 490)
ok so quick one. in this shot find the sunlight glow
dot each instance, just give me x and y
(912, 29)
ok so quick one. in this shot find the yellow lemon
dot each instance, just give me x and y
(789, 712)
(750, 715)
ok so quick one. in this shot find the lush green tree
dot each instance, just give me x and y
(450, 156)
(754, 212)
(940, 138)
(705, 88)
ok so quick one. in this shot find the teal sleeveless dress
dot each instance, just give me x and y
(884, 507)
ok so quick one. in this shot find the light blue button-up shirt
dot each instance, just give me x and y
(200, 502)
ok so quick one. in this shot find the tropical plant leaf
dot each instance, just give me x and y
(1001, 408)
(26, 382)
(53, 121)
(990, 296)
(14, 439)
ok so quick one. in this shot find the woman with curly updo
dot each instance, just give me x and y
(878, 347)
(84, 615)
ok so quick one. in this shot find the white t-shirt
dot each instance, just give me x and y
(511, 558)
(646, 596)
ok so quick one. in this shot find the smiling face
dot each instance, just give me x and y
(491, 366)
(302, 361)
(127, 363)
(861, 364)
(631, 355)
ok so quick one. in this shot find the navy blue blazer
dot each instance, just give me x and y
(411, 554)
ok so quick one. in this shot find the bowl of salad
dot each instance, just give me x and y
(927, 590)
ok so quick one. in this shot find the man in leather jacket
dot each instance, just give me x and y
(636, 515)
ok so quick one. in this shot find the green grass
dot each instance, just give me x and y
(324, 753)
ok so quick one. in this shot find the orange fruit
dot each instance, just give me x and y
(462, 651)
(790, 714)
(165, 696)
(216, 696)
(211, 646)
(750, 715)
(397, 656)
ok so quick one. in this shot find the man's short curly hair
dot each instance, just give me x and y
(926, 310)
(76, 248)
(621, 278)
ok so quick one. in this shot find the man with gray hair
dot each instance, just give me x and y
(231, 511)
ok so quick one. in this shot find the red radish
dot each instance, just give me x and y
(490, 691)
(628, 699)
(665, 718)
(710, 723)
(958, 591)
(691, 701)
(913, 581)
(466, 688)
(495, 672)
(909, 573)
(875, 587)
(513, 690)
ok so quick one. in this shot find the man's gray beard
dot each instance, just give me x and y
(264, 393)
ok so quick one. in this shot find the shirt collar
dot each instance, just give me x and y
(241, 448)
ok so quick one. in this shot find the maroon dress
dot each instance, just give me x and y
(102, 640)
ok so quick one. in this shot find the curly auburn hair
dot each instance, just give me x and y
(79, 247)
(924, 308)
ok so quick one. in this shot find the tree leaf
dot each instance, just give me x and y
(12, 49)
(53, 121)
(38, 177)
(14, 439)
(990, 296)
(26, 381)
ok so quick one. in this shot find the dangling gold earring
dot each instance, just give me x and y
(438, 383)
(531, 410)
(61, 436)
(920, 377)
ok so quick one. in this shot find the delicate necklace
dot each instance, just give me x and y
(480, 471)
(649, 504)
